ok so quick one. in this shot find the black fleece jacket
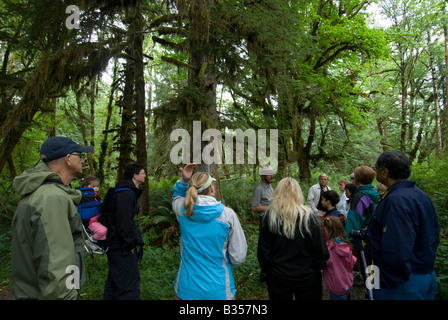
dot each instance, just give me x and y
(122, 231)
(297, 260)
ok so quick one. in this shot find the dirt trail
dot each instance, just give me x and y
(5, 293)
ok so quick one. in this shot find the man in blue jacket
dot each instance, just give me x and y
(403, 235)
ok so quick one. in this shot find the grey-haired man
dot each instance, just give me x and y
(315, 195)
(47, 239)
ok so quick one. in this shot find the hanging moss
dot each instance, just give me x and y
(53, 73)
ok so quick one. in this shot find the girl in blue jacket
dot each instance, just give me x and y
(212, 240)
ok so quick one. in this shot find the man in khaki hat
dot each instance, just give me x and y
(263, 194)
(263, 191)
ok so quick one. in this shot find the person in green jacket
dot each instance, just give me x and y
(47, 239)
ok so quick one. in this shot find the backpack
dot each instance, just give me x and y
(106, 206)
(88, 206)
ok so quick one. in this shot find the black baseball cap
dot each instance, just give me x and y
(58, 147)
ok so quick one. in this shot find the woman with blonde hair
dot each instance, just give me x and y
(212, 240)
(291, 246)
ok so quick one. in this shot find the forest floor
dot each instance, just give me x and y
(356, 293)
(5, 292)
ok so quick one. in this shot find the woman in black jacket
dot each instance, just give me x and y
(291, 246)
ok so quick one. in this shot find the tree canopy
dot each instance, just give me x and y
(341, 81)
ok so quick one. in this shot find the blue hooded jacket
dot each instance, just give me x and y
(403, 234)
(212, 241)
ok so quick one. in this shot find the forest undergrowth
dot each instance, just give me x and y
(161, 235)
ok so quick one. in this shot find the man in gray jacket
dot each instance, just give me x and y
(263, 191)
(261, 198)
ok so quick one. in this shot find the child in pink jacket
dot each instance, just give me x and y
(338, 275)
(99, 231)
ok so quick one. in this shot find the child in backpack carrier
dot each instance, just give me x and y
(99, 231)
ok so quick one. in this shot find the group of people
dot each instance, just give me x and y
(299, 243)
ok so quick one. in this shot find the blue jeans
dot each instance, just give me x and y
(345, 296)
(418, 287)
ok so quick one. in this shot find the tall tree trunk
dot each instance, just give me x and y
(105, 143)
(404, 96)
(82, 121)
(148, 109)
(438, 133)
(303, 151)
(445, 33)
(11, 166)
(93, 94)
(140, 107)
(126, 128)
(201, 76)
(304, 167)
(418, 139)
(379, 125)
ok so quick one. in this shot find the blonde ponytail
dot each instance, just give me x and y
(190, 199)
(196, 182)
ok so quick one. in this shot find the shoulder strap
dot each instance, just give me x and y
(109, 198)
(122, 189)
(54, 181)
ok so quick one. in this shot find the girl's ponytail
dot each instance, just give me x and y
(190, 199)
(197, 181)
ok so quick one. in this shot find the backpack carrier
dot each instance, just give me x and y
(88, 208)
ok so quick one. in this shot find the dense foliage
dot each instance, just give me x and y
(341, 81)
